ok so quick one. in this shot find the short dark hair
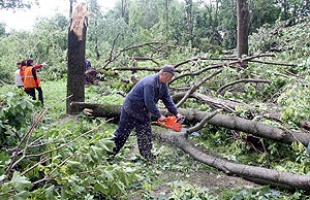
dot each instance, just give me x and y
(29, 62)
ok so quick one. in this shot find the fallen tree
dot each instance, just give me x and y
(231, 122)
(274, 178)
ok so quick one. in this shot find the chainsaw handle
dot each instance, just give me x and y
(161, 122)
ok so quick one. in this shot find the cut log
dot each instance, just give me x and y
(274, 178)
(231, 122)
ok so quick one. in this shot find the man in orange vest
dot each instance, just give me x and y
(32, 81)
(24, 65)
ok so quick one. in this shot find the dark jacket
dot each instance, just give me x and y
(142, 99)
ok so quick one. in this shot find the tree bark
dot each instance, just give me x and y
(76, 65)
(242, 34)
(230, 122)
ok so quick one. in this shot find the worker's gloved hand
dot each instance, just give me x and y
(44, 64)
(180, 118)
(162, 118)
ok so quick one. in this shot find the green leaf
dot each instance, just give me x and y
(19, 182)
(100, 188)
(21, 195)
(2, 177)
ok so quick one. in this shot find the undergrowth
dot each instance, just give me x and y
(83, 170)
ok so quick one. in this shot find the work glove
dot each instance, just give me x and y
(44, 64)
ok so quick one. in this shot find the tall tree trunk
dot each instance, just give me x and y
(189, 17)
(167, 18)
(242, 30)
(76, 59)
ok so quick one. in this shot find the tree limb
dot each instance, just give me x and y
(195, 87)
(219, 91)
(282, 180)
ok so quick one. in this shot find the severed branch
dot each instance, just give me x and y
(66, 144)
(256, 61)
(46, 177)
(203, 122)
(27, 136)
(195, 87)
(43, 160)
(147, 59)
(111, 59)
(225, 64)
(219, 91)
(227, 105)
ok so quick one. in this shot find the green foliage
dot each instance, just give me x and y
(294, 101)
(16, 109)
(15, 115)
(187, 191)
(290, 40)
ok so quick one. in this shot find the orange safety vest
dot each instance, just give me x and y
(29, 81)
(22, 70)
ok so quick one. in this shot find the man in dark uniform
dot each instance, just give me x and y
(138, 106)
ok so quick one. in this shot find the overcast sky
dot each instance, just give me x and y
(24, 19)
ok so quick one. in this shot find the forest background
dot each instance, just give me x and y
(47, 155)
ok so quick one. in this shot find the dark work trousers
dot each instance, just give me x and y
(32, 93)
(143, 131)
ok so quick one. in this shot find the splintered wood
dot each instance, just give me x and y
(79, 20)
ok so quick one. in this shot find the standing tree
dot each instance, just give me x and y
(189, 18)
(76, 57)
(242, 30)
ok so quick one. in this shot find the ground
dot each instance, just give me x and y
(207, 177)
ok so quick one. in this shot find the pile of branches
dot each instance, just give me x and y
(228, 120)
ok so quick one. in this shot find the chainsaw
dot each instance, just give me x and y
(172, 122)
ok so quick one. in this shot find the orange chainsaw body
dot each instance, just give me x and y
(171, 123)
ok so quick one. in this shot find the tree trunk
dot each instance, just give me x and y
(167, 19)
(76, 57)
(278, 179)
(230, 122)
(189, 16)
(242, 30)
